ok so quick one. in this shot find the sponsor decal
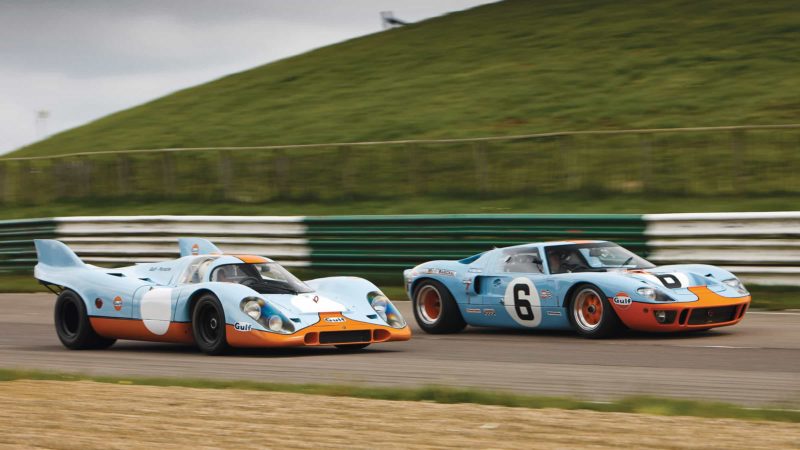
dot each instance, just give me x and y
(443, 272)
(118, 303)
(195, 249)
(545, 294)
(242, 326)
(474, 310)
(160, 269)
(622, 300)
(475, 270)
(489, 312)
(334, 319)
(98, 303)
(554, 313)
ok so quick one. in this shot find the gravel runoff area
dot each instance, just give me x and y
(86, 414)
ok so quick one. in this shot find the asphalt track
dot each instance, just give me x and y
(754, 363)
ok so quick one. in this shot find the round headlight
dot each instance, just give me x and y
(275, 323)
(647, 292)
(252, 309)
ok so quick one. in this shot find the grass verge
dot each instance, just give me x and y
(439, 394)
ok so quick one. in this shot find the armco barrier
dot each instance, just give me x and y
(399, 242)
(16, 242)
(762, 248)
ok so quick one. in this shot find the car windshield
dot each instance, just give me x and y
(264, 278)
(592, 257)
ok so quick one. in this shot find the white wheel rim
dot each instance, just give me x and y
(429, 305)
(587, 309)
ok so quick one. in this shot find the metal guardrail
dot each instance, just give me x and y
(762, 248)
(16, 242)
(399, 242)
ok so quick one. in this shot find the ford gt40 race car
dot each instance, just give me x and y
(593, 287)
(213, 300)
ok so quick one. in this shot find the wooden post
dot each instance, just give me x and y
(225, 174)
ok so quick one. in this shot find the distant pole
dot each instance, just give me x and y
(388, 20)
(41, 123)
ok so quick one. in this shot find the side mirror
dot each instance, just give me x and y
(537, 260)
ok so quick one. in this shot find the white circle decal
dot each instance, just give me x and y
(522, 302)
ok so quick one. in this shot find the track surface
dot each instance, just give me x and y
(754, 363)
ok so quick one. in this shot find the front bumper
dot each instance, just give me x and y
(711, 310)
(344, 331)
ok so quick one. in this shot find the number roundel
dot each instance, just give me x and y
(522, 302)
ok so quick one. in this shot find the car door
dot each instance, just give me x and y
(518, 286)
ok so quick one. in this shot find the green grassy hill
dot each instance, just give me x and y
(514, 67)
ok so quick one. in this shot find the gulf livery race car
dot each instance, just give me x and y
(213, 300)
(593, 287)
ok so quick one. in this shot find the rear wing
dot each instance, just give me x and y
(197, 246)
(54, 253)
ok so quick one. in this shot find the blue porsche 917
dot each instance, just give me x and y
(593, 287)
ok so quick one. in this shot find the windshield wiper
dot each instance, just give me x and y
(275, 287)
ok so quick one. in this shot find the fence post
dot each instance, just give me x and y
(481, 166)
(3, 191)
(123, 173)
(646, 172)
(224, 166)
(738, 173)
(168, 175)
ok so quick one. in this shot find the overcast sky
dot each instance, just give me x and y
(82, 59)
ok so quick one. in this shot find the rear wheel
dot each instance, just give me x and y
(208, 325)
(591, 314)
(72, 324)
(435, 309)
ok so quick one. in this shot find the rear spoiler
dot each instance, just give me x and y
(197, 246)
(54, 253)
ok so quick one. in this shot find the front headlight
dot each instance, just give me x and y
(654, 294)
(736, 284)
(266, 315)
(252, 308)
(386, 310)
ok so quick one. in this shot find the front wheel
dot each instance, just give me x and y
(72, 324)
(435, 309)
(591, 314)
(208, 326)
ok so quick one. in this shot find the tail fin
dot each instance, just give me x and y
(197, 246)
(54, 253)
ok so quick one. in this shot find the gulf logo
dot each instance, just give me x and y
(195, 249)
(118, 303)
(623, 300)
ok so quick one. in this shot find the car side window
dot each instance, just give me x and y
(522, 260)
(196, 271)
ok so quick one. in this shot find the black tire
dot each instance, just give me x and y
(584, 316)
(208, 325)
(72, 324)
(351, 347)
(441, 319)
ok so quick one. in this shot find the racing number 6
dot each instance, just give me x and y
(522, 302)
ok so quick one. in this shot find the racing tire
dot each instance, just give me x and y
(591, 314)
(351, 347)
(435, 309)
(72, 324)
(208, 326)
